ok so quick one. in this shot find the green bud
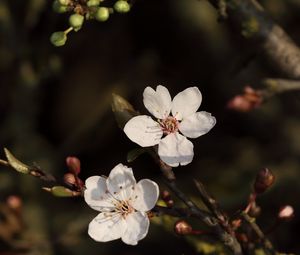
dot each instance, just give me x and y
(64, 2)
(92, 3)
(102, 14)
(15, 163)
(61, 191)
(76, 21)
(58, 38)
(122, 110)
(122, 6)
(59, 8)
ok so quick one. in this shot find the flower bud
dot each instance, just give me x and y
(93, 3)
(182, 228)
(76, 21)
(264, 179)
(246, 102)
(59, 8)
(286, 213)
(170, 203)
(14, 202)
(73, 164)
(102, 14)
(70, 179)
(122, 6)
(64, 2)
(166, 195)
(58, 38)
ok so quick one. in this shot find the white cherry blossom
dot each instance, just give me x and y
(122, 203)
(175, 121)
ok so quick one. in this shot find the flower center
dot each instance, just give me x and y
(169, 125)
(124, 208)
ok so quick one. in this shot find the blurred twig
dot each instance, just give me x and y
(254, 23)
(209, 201)
(176, 212)
(277, 86)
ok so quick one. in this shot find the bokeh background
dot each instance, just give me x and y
(55, 102)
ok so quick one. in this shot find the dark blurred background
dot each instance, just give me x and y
(55, 102)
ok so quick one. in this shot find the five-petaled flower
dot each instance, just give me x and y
(123, 205)
(173, 148)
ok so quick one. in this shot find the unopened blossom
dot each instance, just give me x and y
(176, 120)
(249, 100)
(286, 212)
(122, 203)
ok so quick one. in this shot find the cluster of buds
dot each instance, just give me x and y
(246, 102)
(71, 178)
(166, 197)
(82, 10)
(74, 186)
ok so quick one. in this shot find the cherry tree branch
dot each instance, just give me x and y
(276, 86)
(255, 24)
(228, 239)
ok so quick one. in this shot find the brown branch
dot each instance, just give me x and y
(256, 25)
(4, 163)
(266, 242)
(226, 238)
(210, 202)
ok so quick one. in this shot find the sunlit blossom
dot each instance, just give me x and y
(123, 205)
(176, 120)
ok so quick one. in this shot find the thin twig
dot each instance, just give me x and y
(226, 238)
(209, 201)
(4, 163)
(174, 211)
(277, 86)
(251, 221)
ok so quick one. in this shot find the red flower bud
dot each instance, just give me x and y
(14, 202)
(286, 213)
(170, 203)
(165, 195)
(246, 102)
(264, 179)
(182, 228)
(70, 179)
(74, 164)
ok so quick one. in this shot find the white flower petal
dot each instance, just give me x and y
(120, 182)
(96, 195)
(158, 102)
(143, 130)
(107, 227)
(186, 102)
(197, 124)
(176, 149)
(137, 227)
(145, 195)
